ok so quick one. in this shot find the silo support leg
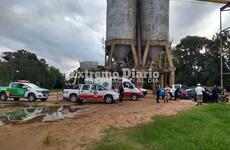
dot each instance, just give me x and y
(171, 65)
(170, 58)
(109, 62)
(134, 55)
(159, 62)
(172, 77)
(146, 53)
(162, 80)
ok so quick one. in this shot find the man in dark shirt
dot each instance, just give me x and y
(158, 94)
(177, 93)
(121, 91)
(215, 94)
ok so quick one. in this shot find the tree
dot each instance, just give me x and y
(197, 60)
(189, 60)
(23, 65)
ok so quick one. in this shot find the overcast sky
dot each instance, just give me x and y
(66, 31)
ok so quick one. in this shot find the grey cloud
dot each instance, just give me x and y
(41, 27)
(188, 17)
(64, 31)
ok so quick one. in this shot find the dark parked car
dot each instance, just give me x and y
(191, 94)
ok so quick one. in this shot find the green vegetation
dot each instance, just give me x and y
(202, 128)
(23, 65)
(16, 115)
(47, 139)
(198, 59)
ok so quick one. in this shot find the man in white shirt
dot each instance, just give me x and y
(199, 94)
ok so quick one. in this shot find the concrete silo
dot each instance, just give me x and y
(154, 25)
(154, 16)
(138, 34)
(121, 31)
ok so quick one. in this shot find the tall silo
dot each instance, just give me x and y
(154, 27)
(138, 26)
(121, 30)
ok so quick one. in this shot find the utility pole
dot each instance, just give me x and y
(221, 52)
(224, 8)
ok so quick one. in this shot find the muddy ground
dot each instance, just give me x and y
(86, 127)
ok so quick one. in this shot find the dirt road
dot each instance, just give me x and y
(86, 127)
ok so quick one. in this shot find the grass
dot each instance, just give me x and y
(47, 139)
(202, 128)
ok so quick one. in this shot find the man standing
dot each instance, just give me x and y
(215, 94)
(158, 94)
(121, 91)
(177, 93)
(162, 92)
(167, 94)
(199, 94)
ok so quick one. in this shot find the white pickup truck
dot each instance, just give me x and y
(130, 90)
(90, 92)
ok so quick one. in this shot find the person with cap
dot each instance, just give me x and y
(199, 94)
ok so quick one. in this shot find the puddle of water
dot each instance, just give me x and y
(35, 114)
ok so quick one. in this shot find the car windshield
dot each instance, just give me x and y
(31, 85)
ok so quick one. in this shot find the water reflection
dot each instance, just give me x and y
(28, 114)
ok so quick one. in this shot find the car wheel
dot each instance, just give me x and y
(31, 98)
(44, 99)
(3, 97)
(108, 99)
(74, 98)
(134, 97)
(16, 99)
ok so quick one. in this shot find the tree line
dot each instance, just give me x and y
(23, 65)
(197, 60)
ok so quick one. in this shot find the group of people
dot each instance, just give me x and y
(166, 94)
(199, 90)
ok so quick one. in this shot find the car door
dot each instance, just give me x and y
(128, 89)
(100, 92)
(85, 92)
(21, 90)
(13, 89)
(17, 90)
(94, 93)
